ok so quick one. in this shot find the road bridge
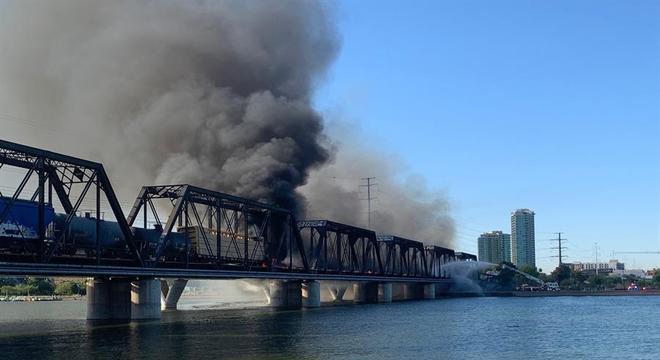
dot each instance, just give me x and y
(181, 232)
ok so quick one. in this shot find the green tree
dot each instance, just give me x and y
(569, 284)
(530, 270)
(19, 289)
(561, 273)
(527, 269)
(597, 282)
(10, 281)
(68, 288)
(578, 276)
(656, 278)
(40, 286)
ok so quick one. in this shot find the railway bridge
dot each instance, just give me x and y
(62, 218)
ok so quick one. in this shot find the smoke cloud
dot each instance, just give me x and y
(213, 93)
(403, 205)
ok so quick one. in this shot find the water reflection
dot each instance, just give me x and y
(452, 328)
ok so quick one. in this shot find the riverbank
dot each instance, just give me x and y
(572, 293)
(26, 298)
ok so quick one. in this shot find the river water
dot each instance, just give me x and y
(466, 328)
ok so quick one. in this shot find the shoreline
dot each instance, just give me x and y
(565, 293)
(571, 293)
(40, 298)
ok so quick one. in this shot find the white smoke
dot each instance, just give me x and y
(403, 204)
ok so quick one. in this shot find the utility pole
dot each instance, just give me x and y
(368, 185)
(559, 247)
(596, 255)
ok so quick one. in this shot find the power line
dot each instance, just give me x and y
(368, 185)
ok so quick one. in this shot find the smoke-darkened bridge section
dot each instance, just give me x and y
(403, 257)
(331, 247)
(63, 218)
(50, 239)
(210, 230)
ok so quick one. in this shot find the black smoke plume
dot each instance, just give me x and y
(213, 93)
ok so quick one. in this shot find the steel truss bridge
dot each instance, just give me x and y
(206, 234)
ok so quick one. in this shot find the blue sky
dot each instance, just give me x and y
(550, 105)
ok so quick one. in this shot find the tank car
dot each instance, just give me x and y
(19, 230)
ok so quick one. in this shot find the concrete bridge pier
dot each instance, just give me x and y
(311, 294)
(171, 292)
(385, 292)
(108, 299)
(145, 299)
(285, 294)
(413, 291)
(337, 293)
(429, 291)
(441, 289)
(365, 292)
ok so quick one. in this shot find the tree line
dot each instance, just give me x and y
(569, 279)
(40, 286)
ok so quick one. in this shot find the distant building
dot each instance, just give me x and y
(523, 247)
(494, 247)
(642, 274)
(600, 266)
(616, 265)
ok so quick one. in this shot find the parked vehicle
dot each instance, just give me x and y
(551, 286)
(633, 287)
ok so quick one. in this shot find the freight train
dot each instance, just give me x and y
(19, 235)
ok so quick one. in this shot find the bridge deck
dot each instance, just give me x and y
(136, 272)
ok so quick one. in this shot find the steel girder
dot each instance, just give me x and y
(71, 179)
(223, 235)
(463, 256)
(336, 248)
(436, 258)
(220, 230)
(403, 257)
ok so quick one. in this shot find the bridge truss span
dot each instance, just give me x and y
(70, 179)
(209, 229)
(403, 257)
(332, 247)
(182, 231)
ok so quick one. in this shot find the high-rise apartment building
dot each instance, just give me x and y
(523, 249)
(494, 247)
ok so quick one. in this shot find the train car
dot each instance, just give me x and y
(80, 238)
(175, 248)
(19, 233)
(19, 229)
(231, 250)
